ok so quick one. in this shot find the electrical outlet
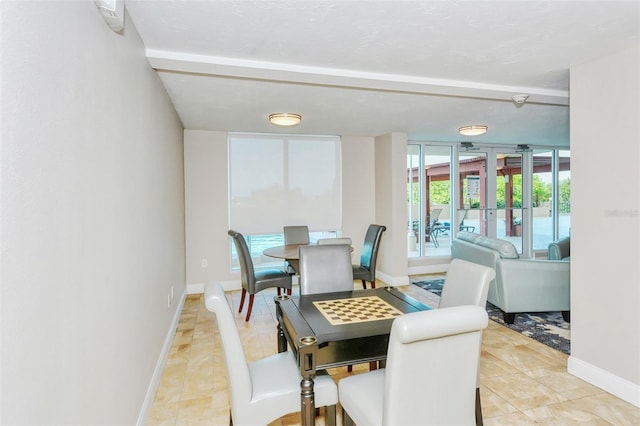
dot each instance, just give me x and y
(205, 263)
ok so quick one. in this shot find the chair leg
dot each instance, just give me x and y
(250, 307)
(373, 284)
(288, 292)
(509, 318)
(244, 293)
(479, 421)
(346, 420)
(364, 285)
(373, 365)
(279, 291)
(349, 368)
(330, 415)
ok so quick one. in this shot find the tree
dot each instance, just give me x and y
(564, 196)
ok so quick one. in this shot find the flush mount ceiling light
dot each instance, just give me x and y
(474, 130)
(285, 119)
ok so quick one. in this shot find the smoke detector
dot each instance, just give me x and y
(520, 99)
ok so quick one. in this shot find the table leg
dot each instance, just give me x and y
(280, 337)
(282, 340)
(308, 403)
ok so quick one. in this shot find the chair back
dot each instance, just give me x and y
(462, 215)
(325, 268)
(238, 374)
(342, 240)
(466, 283)
(247, 272)
(369, 254)
(434, 217)
(296, 234)
(448, 340)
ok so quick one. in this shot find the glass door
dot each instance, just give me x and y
(491, 193)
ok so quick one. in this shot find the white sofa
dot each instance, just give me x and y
(521, 285)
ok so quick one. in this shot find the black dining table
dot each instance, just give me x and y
(337, 337)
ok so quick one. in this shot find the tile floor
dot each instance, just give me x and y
(522, 381)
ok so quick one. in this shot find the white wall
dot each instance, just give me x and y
(92, 217)
(605, 191)
(207, 203)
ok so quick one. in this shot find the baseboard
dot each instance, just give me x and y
(621, 388)
(391, 280)
(145, 410)
(439, 268)
(198, 288)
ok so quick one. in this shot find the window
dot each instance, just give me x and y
(278, 180)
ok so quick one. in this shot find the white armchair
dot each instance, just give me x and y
(521, 285)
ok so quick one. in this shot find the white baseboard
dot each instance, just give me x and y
(621, 388)
(391, 280)
(439, 268)
(145, 410)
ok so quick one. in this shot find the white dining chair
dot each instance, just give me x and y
(409, 392)
(467, 283)
(269, 388)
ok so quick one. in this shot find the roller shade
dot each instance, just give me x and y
(278, 180)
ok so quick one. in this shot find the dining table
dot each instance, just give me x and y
(328, 330)
(287, 252)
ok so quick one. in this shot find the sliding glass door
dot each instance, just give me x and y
(514, 193)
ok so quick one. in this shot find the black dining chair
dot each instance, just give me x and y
(325, 268)
(252, 281)
(366, 270)
(295, 234)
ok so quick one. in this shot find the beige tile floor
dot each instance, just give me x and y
(523, 382)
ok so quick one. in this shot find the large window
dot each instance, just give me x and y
(278, 180)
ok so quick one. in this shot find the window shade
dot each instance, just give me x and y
(278, 180)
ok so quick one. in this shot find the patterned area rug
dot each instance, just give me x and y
(545, 327)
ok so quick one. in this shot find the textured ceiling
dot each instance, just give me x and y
(367, 68)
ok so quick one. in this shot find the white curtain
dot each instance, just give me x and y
(278, 180)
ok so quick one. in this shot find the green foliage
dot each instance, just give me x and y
(564, 196)
(439, 192)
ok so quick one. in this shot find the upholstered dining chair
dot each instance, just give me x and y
(269, 388)
(325, 268)
(448, 338)
(252, 281)
(340, 240)
(295, 234)
(467, 283)
(366, 270)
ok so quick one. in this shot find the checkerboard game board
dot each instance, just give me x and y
(356, 309)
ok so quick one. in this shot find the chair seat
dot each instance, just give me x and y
(276, 386)
(272, 278)
(360, 273)
(362, 396)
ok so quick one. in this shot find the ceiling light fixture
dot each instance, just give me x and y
(285, 119)
(474, 130)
